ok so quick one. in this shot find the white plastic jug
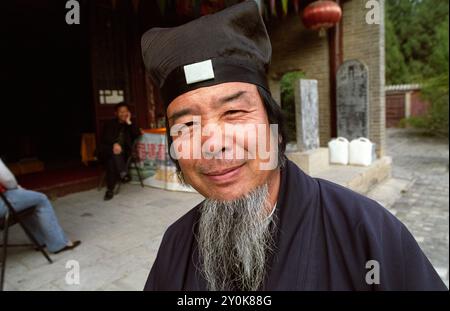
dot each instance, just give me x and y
(361, 151)
(338, 149)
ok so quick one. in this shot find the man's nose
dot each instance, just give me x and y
(213, 141)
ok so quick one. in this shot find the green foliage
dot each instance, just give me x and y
(435, 90)
(288, 101)
(412, 34)
(396, 69)
(417, 51)
(417, 122)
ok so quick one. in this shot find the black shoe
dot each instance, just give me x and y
(108, 195)
(65, 248)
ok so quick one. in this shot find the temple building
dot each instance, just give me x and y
(62, 80)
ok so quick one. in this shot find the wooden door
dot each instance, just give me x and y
(395, 109)
(117, 69)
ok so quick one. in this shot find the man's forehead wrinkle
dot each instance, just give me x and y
(234, 95)
(242, 96)
(191, 109)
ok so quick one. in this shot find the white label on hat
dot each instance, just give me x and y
(200, 71)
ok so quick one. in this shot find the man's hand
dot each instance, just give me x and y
(128, 120)
(117, 149)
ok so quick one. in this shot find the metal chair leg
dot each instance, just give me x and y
(138, 173)
(119, 183)
(33, 239)
(5, 249)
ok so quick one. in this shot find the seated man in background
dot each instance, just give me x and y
(43, 223)
(116, 143)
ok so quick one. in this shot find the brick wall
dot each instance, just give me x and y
(296, 48)
(366, 43)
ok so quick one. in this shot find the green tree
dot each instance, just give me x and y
(435, 87)
(396, 69)
(411, 37)
(417, 51)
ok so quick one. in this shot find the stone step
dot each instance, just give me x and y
(358, 178)
(389, 191)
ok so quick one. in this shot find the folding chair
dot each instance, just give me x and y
(11, 218)
(131, 162)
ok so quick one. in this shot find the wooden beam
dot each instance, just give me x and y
(336, 56)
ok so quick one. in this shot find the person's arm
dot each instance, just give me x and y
(7, 179)
(135, 132)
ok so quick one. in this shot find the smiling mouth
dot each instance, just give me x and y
(224, 171)
(225, 175)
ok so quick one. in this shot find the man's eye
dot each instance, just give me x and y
(229, 112)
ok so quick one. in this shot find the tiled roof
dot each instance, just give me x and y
(402, 87)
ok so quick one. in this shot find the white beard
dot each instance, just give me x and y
(235, 239)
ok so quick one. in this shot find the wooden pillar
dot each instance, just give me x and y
(336, 56)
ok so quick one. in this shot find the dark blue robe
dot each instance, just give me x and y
(326, 234)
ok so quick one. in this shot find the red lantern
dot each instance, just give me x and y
(321, 14)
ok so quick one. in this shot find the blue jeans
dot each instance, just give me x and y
(42, 223)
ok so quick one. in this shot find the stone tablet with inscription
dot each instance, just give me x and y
(352, 100)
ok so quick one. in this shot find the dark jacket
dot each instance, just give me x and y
(116, 132)
(326, 235)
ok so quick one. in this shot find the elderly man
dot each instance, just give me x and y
(261, 226)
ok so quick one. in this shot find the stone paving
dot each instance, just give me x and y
(423, 207)
(120, 237)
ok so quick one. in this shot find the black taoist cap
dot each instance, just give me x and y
(229, 46)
